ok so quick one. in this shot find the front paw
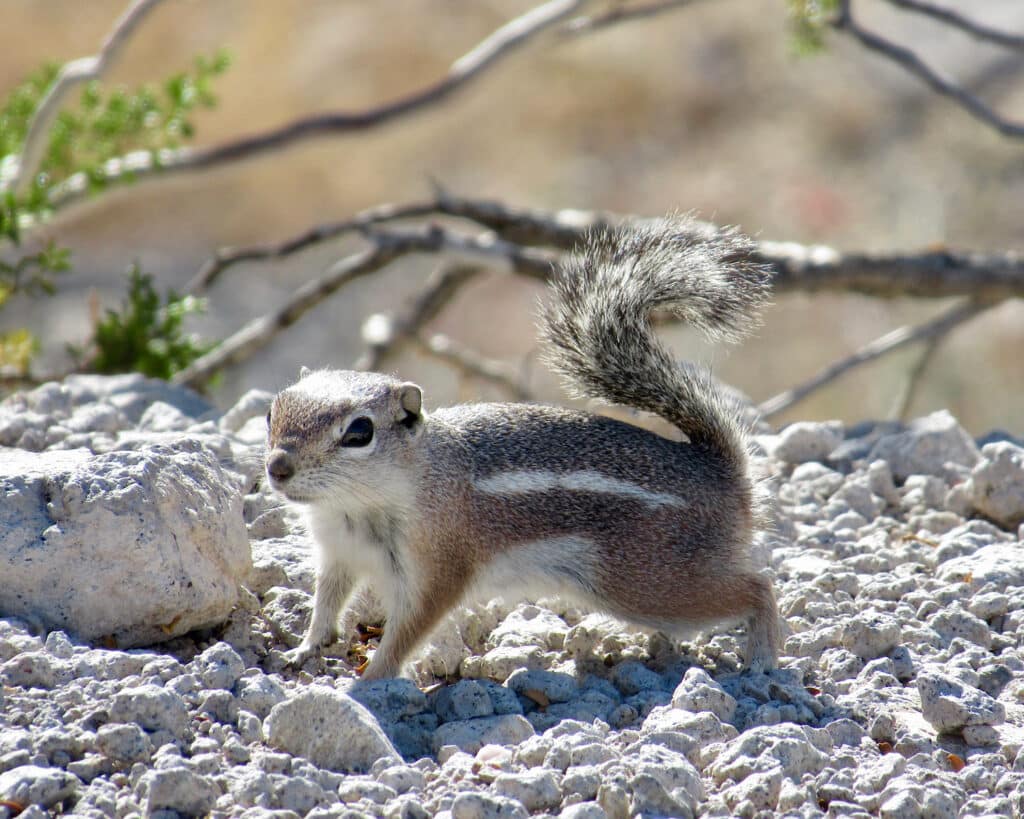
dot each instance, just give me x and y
(297, 657)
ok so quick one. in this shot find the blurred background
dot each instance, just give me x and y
(706, 108)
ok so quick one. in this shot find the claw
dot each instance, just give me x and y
(297, 657)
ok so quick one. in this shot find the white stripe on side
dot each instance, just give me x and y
(521, 482)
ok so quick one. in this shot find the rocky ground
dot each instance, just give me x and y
(138, 678)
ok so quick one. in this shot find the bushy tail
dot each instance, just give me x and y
(597, 322)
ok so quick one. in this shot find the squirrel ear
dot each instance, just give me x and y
(410, 398)
(303, 372)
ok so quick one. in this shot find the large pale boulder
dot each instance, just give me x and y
(134, 547)
(996, 485)
(926, 446)
(330, 729)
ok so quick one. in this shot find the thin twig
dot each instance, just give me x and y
(391, 333)
(229, 256)
(956, 20)
(901, 407)
(486, 53)
(895, 340)
(915, 65)
(471, 363)
(622, 13)
(386, 245)
(558, 229)
(73, 74)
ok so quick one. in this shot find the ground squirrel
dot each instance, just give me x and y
(423, 508)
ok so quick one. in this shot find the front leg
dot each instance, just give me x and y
(408, 622)
(334, 586)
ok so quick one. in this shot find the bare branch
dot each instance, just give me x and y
(929, 275)
(901, 407)
(895, 340)
(471, 363)
(386, 245)
(228, 256)
(73, 74)
(562, 229)
(390, 333)
(559, 229)
(472, 64)
(621, 13)
(796, 267)
(915, 65)
(952, 18)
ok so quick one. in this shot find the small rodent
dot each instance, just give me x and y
(423, 508)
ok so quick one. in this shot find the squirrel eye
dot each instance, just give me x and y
(359, 433)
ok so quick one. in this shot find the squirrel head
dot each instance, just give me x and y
(342, 437)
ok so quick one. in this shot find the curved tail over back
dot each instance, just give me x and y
(598, 325)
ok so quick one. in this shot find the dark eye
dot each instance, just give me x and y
(359, 433)
(268, 419)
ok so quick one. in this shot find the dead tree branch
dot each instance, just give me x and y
(901, 406)
(911, 62)
(796, 267)
(386, 245)
(471, 363)
(229, 256)
(951, 18)
(560, 229)
(71, 75)
(621, 13)
(385, 335)
(501, 42)
(890, 342)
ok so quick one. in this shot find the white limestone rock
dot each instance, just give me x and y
(177, 789)
(698, 692)
(470, 805)
(663, 781)
(926, 446)
(529, 625)
(35, 785)
(1001, 564)
(535, 789)
(996, 485)
(328, 728)
(152, 708)
(254, 404)
(137, 546)
(471, 735)
(804, 441)
(950, 705)
(796, 749)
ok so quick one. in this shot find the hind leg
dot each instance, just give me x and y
(764, 627)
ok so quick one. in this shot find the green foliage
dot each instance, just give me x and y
(32, 274)
(106, 124)
(809, 20)
(146, 335)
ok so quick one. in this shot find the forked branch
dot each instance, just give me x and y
(71, 75)
(890, 342)
(911, 62)
(500, 43)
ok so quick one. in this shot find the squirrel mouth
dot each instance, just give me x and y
(290, 492)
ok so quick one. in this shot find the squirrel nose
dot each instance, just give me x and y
(280, 466)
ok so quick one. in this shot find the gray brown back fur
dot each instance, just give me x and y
(547, 499)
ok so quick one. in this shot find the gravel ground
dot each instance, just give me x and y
(899, 569)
